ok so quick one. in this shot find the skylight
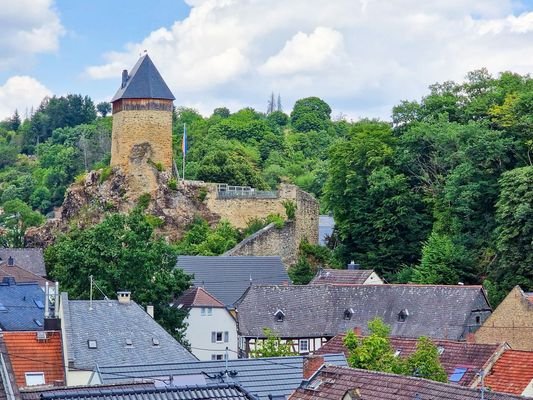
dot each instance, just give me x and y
(38, 303)
(440, 350)
(3, 308)
(92, 344)
(457, 374)
(129, 342)
(37, 322)
(155, 341)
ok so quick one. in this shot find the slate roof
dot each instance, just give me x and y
(341, 276)
(332, 382)
(512, 372)
(144, 82)
(111, 324)
(30, 259)
(30, 354)
(228, 277)
(8, 386)
(21, 306)
(206, 392)
(21, 275)
(277, 376)
(455, 354)
(197, 297)
(444, 312)
(34, 393)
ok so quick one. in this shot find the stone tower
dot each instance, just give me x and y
(142, 125)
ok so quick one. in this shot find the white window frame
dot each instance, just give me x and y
(209, 311)
(35, 378)
(300, 347)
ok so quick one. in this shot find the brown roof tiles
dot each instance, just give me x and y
(198, 297)
(512, 372)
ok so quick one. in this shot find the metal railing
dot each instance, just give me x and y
(225, 191)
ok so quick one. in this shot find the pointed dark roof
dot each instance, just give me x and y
(144, 82)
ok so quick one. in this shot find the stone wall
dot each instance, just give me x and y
(270, 241)
(511, 322)
(139, 136)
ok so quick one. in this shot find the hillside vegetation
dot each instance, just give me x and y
(442, 194)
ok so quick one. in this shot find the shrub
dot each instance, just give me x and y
(276, 219)
(144, 201)
(105, 174)
(290, 209)
(202, 194)
(173, 184)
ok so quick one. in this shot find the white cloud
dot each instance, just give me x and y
(28, 27)
(358, 56)
(21, 93)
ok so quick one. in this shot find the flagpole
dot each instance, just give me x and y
(184, 150)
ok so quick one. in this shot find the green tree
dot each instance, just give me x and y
(310, 114)
(424, 362)
(375, 352)
(103, 108)
(16, 218)
(514, 232)
(121, 253)
(443, 262)
(272, 346)
(222, 112)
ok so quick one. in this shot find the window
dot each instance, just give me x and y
(457, 374)
(397, 353)
(155, 342)
(279, 315)
(92, 344)
(440, 350)
(216, 357)
(129, 342)
(402, 315)
(348, 313)
(34, 378)
(220, 337)
(478, 320)
(206, 311)
(38, 303)
(304, 345)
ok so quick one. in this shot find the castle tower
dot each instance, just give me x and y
(142, 123)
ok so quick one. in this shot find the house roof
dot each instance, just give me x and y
(446, 312)
(455, 354)
(21, 306)
(28, 353)
(276, 376)
(227, 277)
(222, 391)
(197, 297)
(332, 382)
(112, 326)
(8, 386)
(341, 276)
(30, 259)
(512, 372)
(144, 82)
(34, 393)
(21, 275)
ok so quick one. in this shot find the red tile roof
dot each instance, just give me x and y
(21, 275)
(332, 383)
(341, 276)
(198, 297)
(456, 354)
(29, 354)
(512, 372)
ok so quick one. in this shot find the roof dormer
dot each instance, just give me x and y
(279, 315)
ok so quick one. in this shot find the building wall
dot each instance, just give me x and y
(511, 322)
(200, 328)
(248, 345)
(141, 134)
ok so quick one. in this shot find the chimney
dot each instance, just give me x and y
(125, 78)
(358, 331)
(124, 297)
(470, 338)
(51, 308)
(150, 310)
(311, 364)
(10, 261)
(353, 265)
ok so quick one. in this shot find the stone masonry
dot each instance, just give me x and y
(511, 322)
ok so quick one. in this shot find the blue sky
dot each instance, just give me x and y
(361, 56)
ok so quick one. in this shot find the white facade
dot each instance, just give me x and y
(209, 331)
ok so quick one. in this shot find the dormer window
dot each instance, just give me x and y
(348, 313)
(402, 315)
(129, 342)
(440, 350)
(279, 315)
